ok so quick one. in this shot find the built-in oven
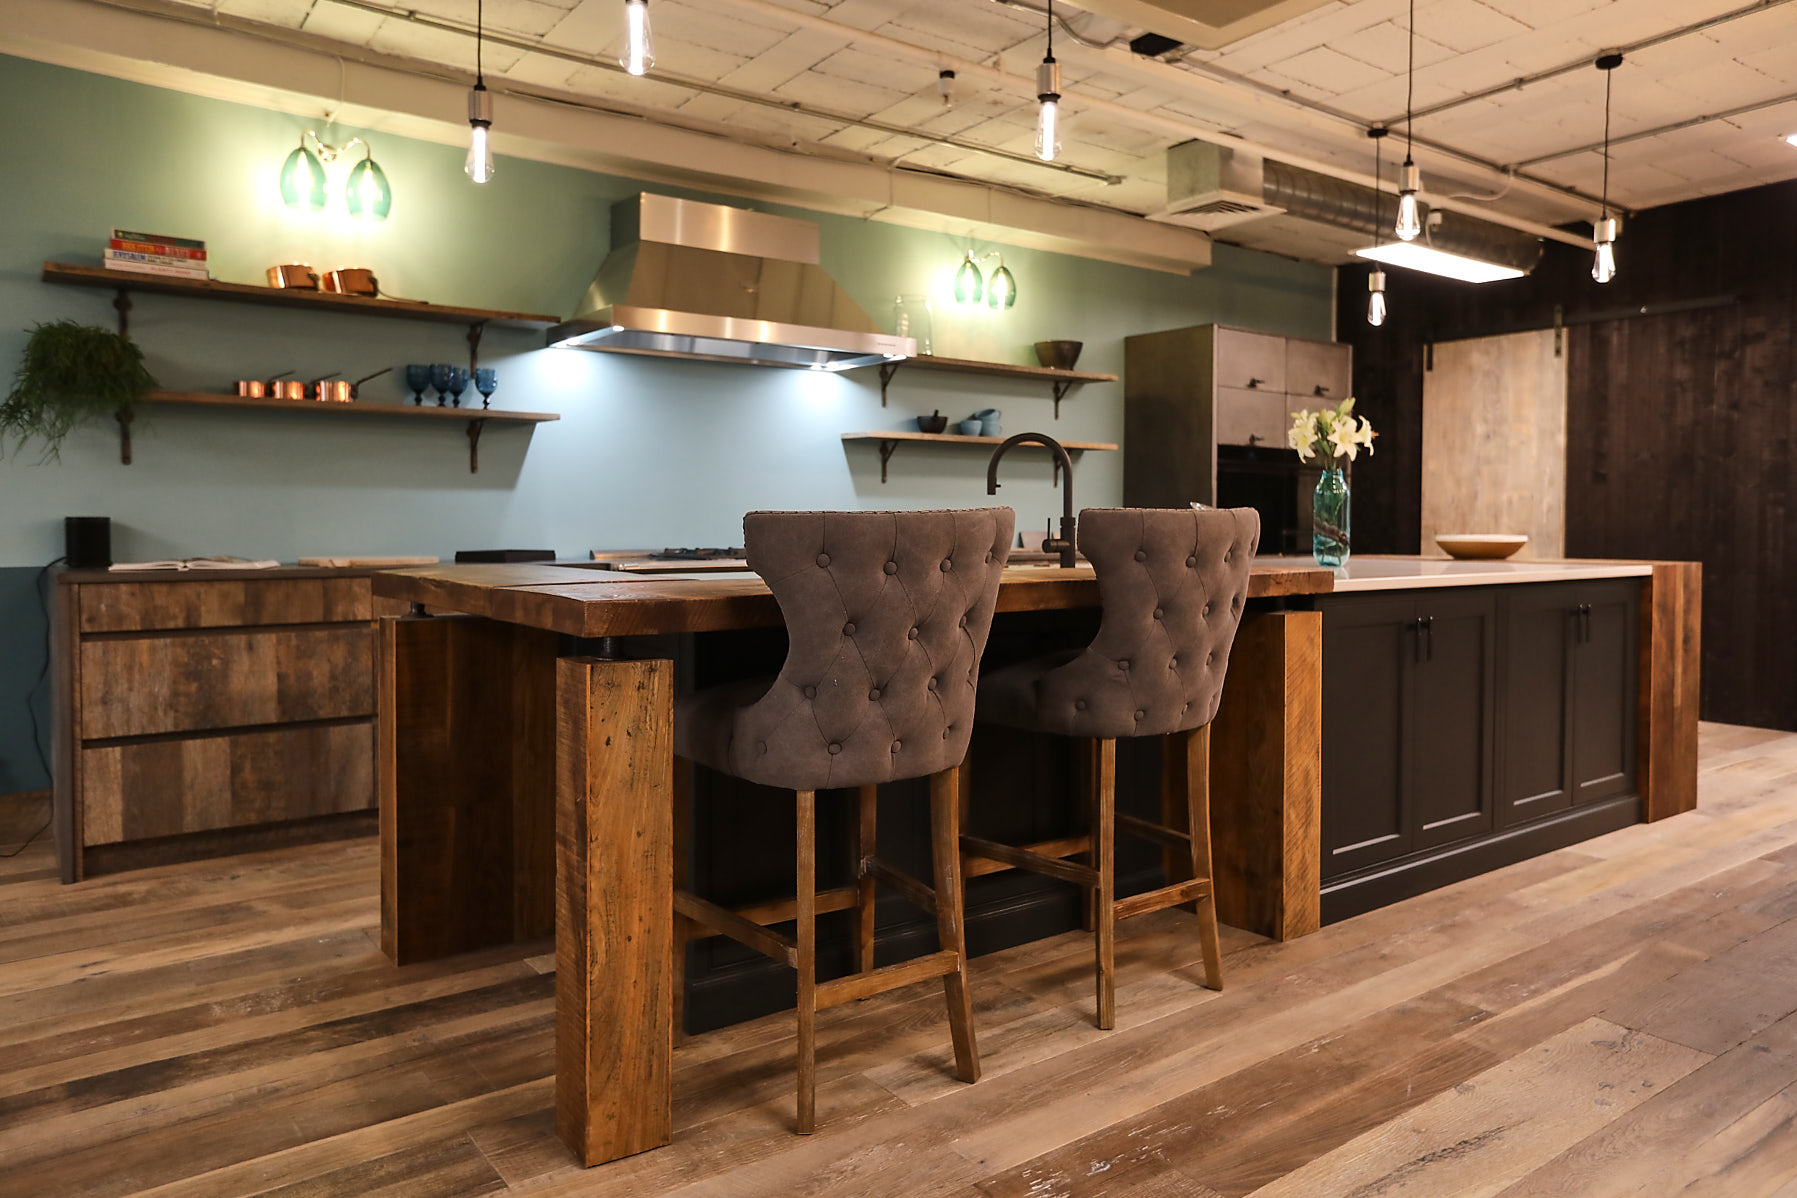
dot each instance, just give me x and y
(1274, 483)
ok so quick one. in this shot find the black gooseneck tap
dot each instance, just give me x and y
(1064, 544)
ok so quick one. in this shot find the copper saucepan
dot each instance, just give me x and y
(352, 280)
(297, 275)
(341, 391)
(282, 387)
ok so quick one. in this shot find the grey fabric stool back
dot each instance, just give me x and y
(886, 618)
(887, 615)
(1173, 585)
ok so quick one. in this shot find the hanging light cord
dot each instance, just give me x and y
(1410, 92)
(1378, 187)
(1051, 31)
(1609, 78)
(480, 37)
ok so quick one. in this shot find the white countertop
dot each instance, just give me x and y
(1378, 573)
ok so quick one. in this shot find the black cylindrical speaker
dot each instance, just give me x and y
(88, 541)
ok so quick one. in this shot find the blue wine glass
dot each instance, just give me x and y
(440, 380)
(418, 378)
(458, 383)
(486, 381)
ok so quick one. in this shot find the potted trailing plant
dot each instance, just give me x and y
(1331, 434)
(71, 374)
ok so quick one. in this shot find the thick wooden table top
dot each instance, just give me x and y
(581, 601)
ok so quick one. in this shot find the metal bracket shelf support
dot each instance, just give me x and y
(474, 429)
(886, 373)
(1061, 387)
(474, 332)
(886, 447)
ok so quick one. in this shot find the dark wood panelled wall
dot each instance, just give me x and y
(1681, 419)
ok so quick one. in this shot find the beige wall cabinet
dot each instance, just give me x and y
(1187, 391)
(196, 705)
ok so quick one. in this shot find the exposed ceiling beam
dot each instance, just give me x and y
(1183, 130)
(1644, 134)
(1585, 63)
(135, 39)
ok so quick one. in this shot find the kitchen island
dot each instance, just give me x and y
(557, 681)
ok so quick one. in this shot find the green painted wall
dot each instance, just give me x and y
(647, 452)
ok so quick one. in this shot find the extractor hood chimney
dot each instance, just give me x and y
(718, 284)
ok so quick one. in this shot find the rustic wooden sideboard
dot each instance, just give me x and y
(199, 712)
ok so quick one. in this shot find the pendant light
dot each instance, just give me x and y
(302, 178)
(639, 42)
(1375, 282)
(1001, 289)
(480, 108)
(969, 286)
(1410, 221)
(368, 194)
(1048, 99)
(1603, 266)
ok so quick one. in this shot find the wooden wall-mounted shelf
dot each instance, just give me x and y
(889, 440)
(124, 282)
(476, 419)
(1061, 381)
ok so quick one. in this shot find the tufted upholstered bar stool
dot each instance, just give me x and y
(1172, 584)
(886, 616)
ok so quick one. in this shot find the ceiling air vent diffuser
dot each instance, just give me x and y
(1212, 187)
(1206, 24)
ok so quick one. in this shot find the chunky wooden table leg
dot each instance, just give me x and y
(1671, 638)
(614, 906)
(465, 763)
(1266, 777)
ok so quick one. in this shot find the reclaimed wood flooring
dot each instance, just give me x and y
(1616, 1018)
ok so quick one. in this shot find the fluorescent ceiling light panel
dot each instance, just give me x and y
(1413, 255)
(1792, 139)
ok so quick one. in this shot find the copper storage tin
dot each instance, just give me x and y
(352, 280)
(297, 275)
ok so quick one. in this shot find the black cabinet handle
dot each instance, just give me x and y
(1429, 636)
(1582, 618)
(1415, 627)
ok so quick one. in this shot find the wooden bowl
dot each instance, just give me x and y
(1480, 545)
(1061, 355)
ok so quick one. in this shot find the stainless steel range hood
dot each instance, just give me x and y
(720, 284)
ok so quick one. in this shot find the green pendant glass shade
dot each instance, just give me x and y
(968, 283)
(368, 194)
(302, 180)
(1001, 292)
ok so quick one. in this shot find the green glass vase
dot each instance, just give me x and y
(1329, 519)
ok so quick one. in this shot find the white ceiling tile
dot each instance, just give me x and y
(1466, 24)
(1329, 70)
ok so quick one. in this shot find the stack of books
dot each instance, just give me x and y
(156, 254)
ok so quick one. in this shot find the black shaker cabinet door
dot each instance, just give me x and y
(1606, 658)
(1535, 737)
(1451, 718)
(1368, 645)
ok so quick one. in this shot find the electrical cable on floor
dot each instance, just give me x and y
(37, 732)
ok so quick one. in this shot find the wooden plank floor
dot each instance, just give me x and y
(1618, 1018)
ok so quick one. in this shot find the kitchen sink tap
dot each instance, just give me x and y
(1063, 544)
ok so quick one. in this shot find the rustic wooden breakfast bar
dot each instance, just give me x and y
(525, 773)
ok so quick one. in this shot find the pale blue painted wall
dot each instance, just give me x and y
(647, 452)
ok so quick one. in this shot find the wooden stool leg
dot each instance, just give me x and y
(683, 800)
(1197, 787)
(1090, 752)
(806, 934)
(1104, 848)
(866, 804)
(945, 842)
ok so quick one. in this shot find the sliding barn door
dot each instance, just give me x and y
(1494, 441)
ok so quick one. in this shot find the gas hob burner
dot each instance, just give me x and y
(711, 553)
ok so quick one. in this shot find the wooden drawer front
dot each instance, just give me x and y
(1317, 373)
(134, 606)
(1252, 361)
(1250, 418)
(133, 686)
(165, 787)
